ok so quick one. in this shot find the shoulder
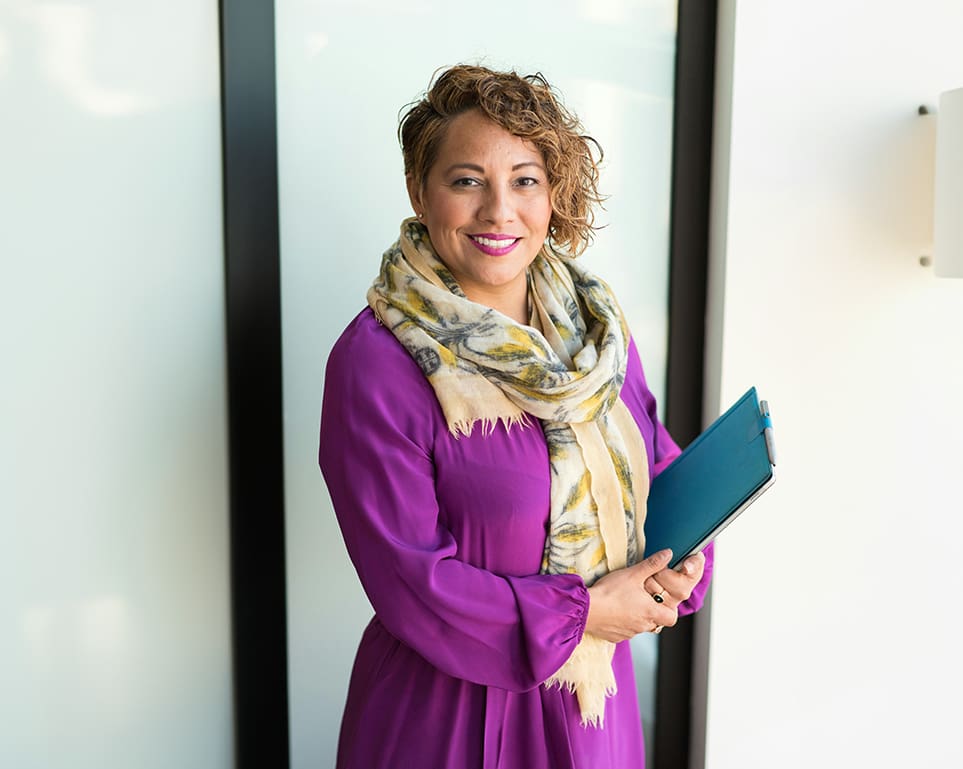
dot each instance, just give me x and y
(633, 367)
(369, 368)
(377, 406)
(634, 373)
(636, 393)
(366, 347)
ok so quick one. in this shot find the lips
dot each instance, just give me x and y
(494, 244)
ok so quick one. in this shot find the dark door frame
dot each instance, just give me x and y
(680, 715)
(255, 409)
(252, 269)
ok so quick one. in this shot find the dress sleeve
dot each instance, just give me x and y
(665, 450)
(375, 454)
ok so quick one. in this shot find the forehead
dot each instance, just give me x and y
(472, 137)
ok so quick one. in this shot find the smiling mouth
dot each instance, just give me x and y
(494, 245)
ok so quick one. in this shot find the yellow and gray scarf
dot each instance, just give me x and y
(566, 369)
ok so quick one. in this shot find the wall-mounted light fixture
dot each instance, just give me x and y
(948, 187)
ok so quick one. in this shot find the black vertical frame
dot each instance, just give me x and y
(255, 409)
(680, 679)
(255, 429)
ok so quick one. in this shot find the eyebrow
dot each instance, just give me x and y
(479, 169)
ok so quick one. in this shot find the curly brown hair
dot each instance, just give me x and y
(528, 107)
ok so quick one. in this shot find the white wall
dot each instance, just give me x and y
(833, 624)
(114, 604)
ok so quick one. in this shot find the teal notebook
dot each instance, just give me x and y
(724, 470)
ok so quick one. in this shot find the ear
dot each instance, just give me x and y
(414, 194)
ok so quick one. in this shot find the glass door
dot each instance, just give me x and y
(344, 71)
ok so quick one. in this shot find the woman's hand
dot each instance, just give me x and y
(622, 603)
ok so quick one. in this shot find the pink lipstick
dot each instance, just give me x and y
(494, 243)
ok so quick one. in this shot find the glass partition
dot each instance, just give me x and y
(114, 599)
(345, 70)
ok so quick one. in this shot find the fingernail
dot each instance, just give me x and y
(665, 555)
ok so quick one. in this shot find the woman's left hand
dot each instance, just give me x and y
(674, 586)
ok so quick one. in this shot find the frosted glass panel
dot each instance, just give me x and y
(114, 601)
(345, 69)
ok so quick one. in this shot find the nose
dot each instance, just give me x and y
(497, 206)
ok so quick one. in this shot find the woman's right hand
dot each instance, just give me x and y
(620, 607)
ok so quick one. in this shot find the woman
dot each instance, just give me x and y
(487, 438)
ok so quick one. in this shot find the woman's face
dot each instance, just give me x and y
(486, 205)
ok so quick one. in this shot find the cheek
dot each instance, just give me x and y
(545, 216)
(445, 210)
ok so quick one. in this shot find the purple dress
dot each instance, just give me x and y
(447, 536)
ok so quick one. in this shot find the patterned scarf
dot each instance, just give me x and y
(566, 369)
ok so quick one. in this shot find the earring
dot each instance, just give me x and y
(421, 216)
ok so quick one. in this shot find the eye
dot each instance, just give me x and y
(465, 181)
(527, 181)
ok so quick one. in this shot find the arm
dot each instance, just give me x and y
(375, 453)
(666, 450)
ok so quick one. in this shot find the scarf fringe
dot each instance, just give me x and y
(589, 676)
(465, 426)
